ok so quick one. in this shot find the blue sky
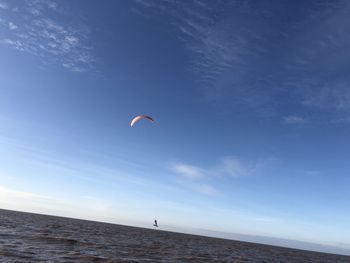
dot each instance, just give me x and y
(251, 101)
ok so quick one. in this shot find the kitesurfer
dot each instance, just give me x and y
(155, 223)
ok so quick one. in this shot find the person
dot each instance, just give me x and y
(155, 223)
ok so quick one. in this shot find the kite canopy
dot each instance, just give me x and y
(139, 117)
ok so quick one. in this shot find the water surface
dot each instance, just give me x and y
(26, 237)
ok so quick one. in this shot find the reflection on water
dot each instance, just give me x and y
(26, 237)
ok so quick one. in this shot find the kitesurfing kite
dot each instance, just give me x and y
(139, 117)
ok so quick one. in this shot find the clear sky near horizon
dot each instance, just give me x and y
(251, 101)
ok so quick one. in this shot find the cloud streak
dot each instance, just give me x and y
(229, 166)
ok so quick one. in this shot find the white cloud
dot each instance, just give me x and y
(51, 4)
(333, 95)
(229, 166)
(52, 34)
(34, 11)
(193, 177)
(72, 40)
(294, 120)
(199, 178)
(3, 5)
(232, 166)
(12, 26)
(188, 171)
(14, 43)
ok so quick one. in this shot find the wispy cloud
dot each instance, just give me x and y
(199, 178)
(247, 54)
(294, 120)
(229, 166)
(233, 167)
(43, 29)
(188, 171)
(35, 160)
(334, 95)
(323, 43)
(226, 41)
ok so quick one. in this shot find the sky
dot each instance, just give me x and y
(251, 101)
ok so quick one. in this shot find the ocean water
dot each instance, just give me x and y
(26, 237)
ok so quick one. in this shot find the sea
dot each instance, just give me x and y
(27, 237)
